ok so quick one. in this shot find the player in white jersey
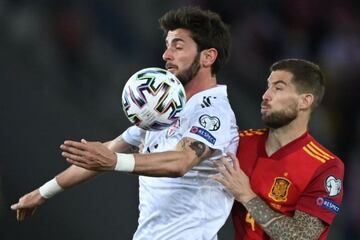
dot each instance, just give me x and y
(192, 206)
(178, 200)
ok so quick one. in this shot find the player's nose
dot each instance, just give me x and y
(167, 55)
(266, 96)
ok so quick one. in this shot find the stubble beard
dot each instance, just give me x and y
(188, 74)
(280, 118)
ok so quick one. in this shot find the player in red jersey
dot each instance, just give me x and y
(287, 185)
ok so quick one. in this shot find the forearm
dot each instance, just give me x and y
(279, 226)
(189, 152)
(119, 145)
(166, 164)
(97, 156)
(74, 175)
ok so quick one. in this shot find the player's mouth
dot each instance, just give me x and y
(264, 107)
(170, 67)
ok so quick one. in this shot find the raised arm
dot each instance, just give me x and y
(94, 156)
(189, 152)
(70, 177)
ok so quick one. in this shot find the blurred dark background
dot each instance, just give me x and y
(63, 65)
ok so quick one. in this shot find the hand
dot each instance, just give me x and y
(234, 179)
(90, 155)
(27, 205)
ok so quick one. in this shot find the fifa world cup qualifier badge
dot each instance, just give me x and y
(211, 123)
(332, 186)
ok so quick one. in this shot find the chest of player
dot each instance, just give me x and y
(281, 181)
(165, 140)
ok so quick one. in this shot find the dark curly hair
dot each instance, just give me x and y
(206, 27)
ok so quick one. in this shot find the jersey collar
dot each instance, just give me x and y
(288, 148)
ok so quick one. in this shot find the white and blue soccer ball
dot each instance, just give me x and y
(153, 99)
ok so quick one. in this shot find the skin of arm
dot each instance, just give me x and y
(279, 226)
(94, 156)
(275, 224)
(72, 176)
(189, 152)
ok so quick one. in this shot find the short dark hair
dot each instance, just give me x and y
(206, 27)
(308, 78)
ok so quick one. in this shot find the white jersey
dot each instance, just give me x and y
(192, 207)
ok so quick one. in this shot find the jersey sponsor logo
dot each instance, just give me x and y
(211, 123)
(204, 134)
(328, 204)
(317, 153)
(332, 186)
(280, 189)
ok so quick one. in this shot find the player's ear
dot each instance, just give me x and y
(208, 57)
(306, 101)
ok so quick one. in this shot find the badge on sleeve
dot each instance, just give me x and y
(332, 186)
(211, 123)
(204, 134)
(328, 204)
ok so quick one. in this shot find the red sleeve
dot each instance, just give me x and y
(323, 196)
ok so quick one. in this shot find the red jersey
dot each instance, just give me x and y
(302, 175)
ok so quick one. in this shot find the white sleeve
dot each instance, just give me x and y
(134, 135)
(212, 126)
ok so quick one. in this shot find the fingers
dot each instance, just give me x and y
(15, 206)
(71, 149)
(220, 179)
(227, 165)
(75, 145)
(235, 160)
(220, 166)
(22, 214)
(226, 170)
(73, 157)
(78, 151)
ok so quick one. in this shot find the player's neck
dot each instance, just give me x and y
(280, 137)
(202, 81)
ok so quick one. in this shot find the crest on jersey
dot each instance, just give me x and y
(173, 128)
(332, 186)
(280, 189)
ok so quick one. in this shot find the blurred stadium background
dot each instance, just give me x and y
(63, 65)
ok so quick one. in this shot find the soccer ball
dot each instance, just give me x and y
(153, 98)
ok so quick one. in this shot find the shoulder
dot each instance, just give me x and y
(253, 133)
(209, 105)
(320, 154)
(251, 138)
(213, 97)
